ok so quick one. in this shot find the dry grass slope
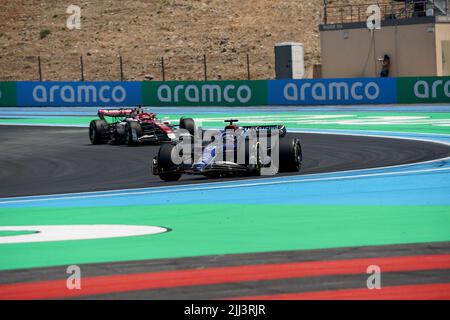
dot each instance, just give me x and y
(144, 30)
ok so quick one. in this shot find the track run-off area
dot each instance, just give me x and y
(306, 236)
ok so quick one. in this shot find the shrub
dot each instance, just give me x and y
(44, 33)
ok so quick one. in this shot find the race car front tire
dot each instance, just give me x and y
(98, 131)
(165, 163)
(290, 155)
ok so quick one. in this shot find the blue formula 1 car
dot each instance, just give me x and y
(234, 151)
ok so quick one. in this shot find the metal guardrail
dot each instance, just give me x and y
(389, 10)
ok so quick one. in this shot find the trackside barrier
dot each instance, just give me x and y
(8, 94)
(226, 93)
(423, 90)
(332, 91)
(205, 93)
(67, 94)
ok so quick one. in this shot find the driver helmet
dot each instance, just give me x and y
(231, 127)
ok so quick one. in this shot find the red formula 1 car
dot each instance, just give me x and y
(133, 126)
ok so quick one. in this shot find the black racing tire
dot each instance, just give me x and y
(188, 124)
(133, 127)
(170, 176)
(290, 155)
(165, 162)
(98, 131)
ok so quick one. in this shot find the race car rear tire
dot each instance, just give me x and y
(290, 155)
(188, 124)
(98, 131)
(165, 162)
(133, 127)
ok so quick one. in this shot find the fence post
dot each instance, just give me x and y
(163, 71)
(121, 68)
(204, 66)
(39, 68)
(248, 67)
(81, 68)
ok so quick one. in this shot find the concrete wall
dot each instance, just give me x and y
(353, 52)
(442, 31)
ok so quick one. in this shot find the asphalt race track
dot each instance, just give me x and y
(307, 274)
(51, 160)
(40, 160)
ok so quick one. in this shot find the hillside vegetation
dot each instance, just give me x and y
(143, 31)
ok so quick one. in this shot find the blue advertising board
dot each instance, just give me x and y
(332, 91)
(351, 91)
(98, 93)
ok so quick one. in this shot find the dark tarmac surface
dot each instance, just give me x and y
(249, 288)
(51, 160)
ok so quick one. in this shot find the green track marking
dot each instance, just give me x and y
(51, 120)
(387, 121)
(199, 230)
(397, 122)
(14, 233)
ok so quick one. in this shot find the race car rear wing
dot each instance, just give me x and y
(280, 127)
(122, 112)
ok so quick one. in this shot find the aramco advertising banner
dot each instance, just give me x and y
(205, 93)
(7, 94)
(352, 91)
(89, 94)
(423, 90)
(332, 91)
